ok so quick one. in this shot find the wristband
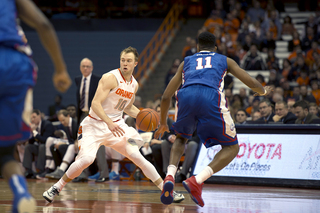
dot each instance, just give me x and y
(265, 92)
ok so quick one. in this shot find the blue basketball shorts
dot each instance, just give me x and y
(204, 108)
(17, 76)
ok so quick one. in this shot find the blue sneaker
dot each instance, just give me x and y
(114, 176)
(23, 201)
(94, 177)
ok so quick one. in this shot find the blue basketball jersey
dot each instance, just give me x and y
(9, 35)
(206, 68)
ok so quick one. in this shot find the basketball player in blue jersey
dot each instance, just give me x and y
(17, 77)
(202, 106)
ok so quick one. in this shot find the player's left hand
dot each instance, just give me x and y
(61, 81)
(268, 89)
(161, 130)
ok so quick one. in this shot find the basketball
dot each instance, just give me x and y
(147, 120)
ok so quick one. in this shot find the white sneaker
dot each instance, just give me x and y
(49, 194)
(177, 197)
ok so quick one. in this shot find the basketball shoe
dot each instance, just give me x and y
(50, 193)
(114, 176)
(177, 197)
(167, 190)
(22, 201)
(194, 189)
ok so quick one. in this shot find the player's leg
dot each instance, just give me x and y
(49, 166)
(115, 168)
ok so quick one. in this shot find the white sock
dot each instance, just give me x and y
(63, 166)
(172, 169)
(204, 175)
(60, 184)
(115, 167)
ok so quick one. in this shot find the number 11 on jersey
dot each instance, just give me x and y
(200, 62)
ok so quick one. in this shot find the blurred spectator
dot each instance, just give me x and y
(260, 78)
(295, 94)
(272, 60)
(244, 31)
(305, 95)
(311, 23)
(315, 91)
(294, 42)
(256, 115)
(186, 47)
(303, 79)
(229, 96)
(253, 104)
(173, 69)
(286, 67)
(214, 21)
(72, 110)
(268, 42)
(282, 113)
(248, 42)
(295, 53)
(255, 13)
(297, 68)
(313, 109)
(276, 97)
(308, 39)
(193, 48)
(273, 78)
(241, 116)
(301, 110)
(232, 24)
(309, 55)
(265, 108)
(279, 90)
(287, 26)
(252, 60)
(241, 14)
(315, 63)
(257, 31)
(244, 97)
(290, 104)
(219, 7)
(218, 34)
(53, 109)
(273, 25)
(228, 82)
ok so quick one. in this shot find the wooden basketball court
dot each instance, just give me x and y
(143, 197)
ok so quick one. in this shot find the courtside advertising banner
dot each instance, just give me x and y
(270, 156)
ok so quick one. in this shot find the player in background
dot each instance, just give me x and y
(202, 106)
(105, 125)
(17, 77)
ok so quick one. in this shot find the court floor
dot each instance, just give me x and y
(143, 197)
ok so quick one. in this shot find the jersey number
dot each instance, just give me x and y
(207, 65)
(121, 104)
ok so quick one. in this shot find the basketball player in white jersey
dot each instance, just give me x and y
(105, 126)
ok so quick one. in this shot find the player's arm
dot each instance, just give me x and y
(243, 76)
(32, 16)
(131, 109)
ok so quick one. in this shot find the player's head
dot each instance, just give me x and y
(207, 41)
(63, 117)
(86, 67)
(128, 60)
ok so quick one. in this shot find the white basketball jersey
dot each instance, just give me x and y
(118, 98)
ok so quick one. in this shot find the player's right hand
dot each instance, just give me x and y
(162, 128)
(116, 129)
(61, 81)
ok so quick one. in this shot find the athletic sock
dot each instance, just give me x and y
(115, 167)
(60, 184)
(172, 169)
(18, 185)
(204, 175)
(63, 166)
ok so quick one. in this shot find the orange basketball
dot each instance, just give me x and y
(147, 120)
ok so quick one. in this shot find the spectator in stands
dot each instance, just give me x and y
(41, 130)
(273, 78)
(309, 55)
(255, 13)
(256, 115)
(297, 68)
(301, 110)
(286, 68)
(315, 63)
(303, 79)
(253, 105)
(260, 78)
(193, 48)
(172, 71)
(295, 94)
(72, 110)
(218, 34)
(273, 25)
(219, 7)
(214, 21)
(253, 60)
(228, 51)
(248, 42)
(294, 42)
(268, 42)
(241, 116)
(287, 26)
(315, 91)
(308, 39)
(286, 87)
(314, 109)
(244, 31)
(257, 31)
(244, 97)
(53, 109)
(290, 104)
(282, 113)
(272, 60)
(311, 23)
(231, 25)
(305, 95)
(295, 53)
(241, 14)
(266, 111)
(229, 96)
(186, 47)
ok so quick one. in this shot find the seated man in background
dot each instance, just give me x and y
(282, 114)
(241, 117)
(266, 111)
(41, 130)
(301, 109)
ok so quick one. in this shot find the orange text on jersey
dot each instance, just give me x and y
(124, 93)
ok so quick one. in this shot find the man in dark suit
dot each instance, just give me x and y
(282, 113)
(86, 88)
(56, 147)
(265, 108)
(41, 130)
(301, 109)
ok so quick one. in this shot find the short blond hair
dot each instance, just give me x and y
(131, 50)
